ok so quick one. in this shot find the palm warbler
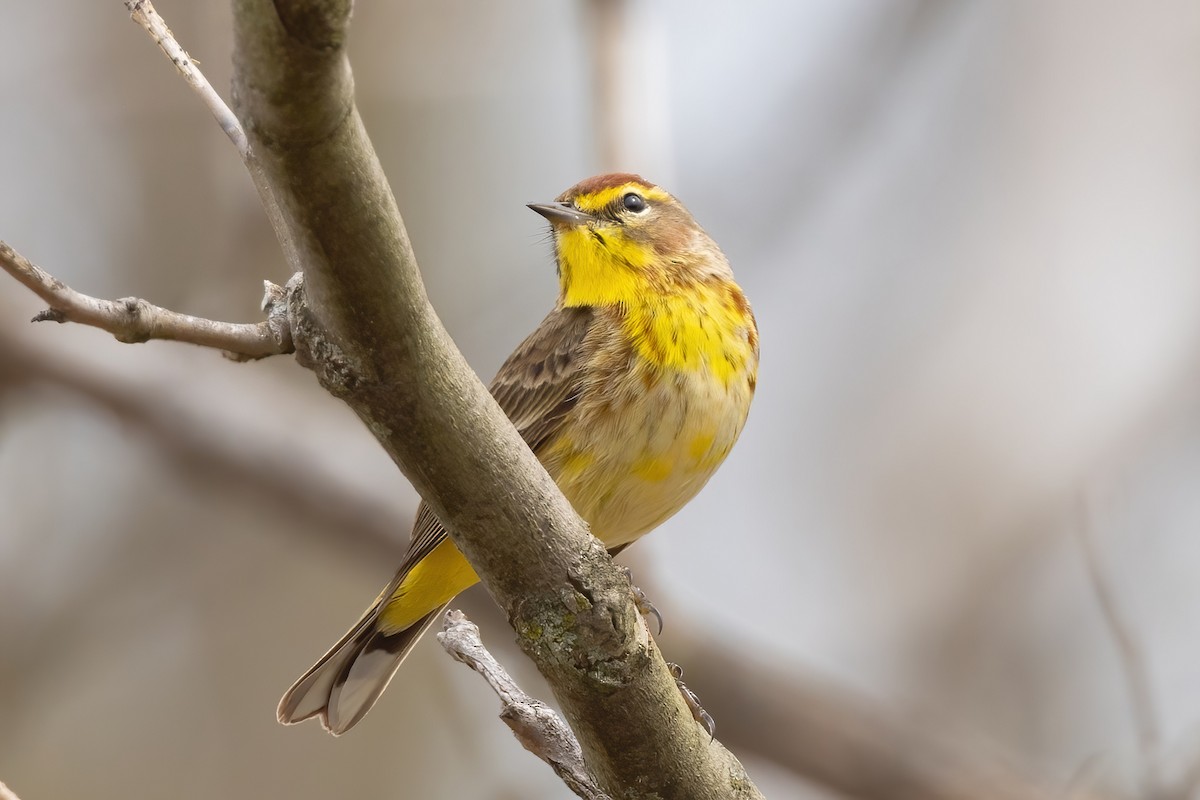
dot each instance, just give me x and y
(631, 393)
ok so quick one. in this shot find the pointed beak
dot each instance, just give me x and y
(561, 213)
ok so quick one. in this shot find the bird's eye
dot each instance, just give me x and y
(634, 202)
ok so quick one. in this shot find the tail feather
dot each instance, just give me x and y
(346, 682)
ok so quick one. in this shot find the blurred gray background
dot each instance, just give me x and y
(969, 231)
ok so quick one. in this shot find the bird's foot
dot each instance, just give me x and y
(644, 606)
(693, 702)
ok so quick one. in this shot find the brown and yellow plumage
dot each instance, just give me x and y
(631, 392)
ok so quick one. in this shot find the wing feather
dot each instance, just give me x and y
(536, 387)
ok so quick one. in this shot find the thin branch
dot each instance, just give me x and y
(132, 319)
(142, 12)
(7, 793)
(538, 728)
(135, 320)
(1129, 651)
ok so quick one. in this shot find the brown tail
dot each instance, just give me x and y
(347, 681)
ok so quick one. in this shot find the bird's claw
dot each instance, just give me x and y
(693, 702)
(644, 606)
(647, 608)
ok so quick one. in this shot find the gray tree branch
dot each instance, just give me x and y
(131, 319)
(142, 12)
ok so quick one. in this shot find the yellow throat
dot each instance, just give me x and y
(682, 308)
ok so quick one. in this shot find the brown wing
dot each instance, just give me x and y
(539, 382)
(535, 388)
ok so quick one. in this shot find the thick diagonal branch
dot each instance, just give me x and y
(371, 336)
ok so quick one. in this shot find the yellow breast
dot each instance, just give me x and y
(667, 395)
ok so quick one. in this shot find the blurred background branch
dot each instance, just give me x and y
(273, 469)
(848, 744)
(1129, 651)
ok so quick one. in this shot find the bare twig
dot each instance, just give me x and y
(142, 12)
(135, 320)
(538, 728)
(132, 319)
(1129, 651)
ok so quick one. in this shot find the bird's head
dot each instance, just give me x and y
(617, 235)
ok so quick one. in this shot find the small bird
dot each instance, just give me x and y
(631, 393)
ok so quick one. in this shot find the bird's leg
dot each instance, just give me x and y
(693, 702)
(647, 610)
(642, 602)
